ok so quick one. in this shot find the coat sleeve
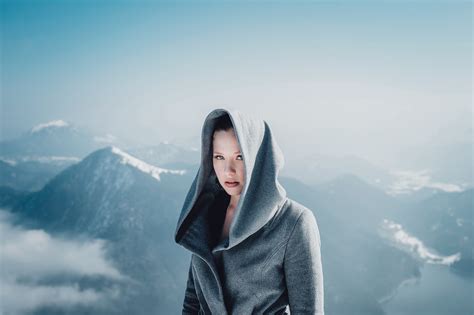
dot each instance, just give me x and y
(191, 302)
(303, 267)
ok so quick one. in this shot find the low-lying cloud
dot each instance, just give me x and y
(31, 258)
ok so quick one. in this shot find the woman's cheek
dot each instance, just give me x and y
(218, 169)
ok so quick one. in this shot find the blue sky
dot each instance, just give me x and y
(398, 70)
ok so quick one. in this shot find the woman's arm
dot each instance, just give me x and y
(191, 302)
(303, 267)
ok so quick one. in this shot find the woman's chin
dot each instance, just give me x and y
(233, 191)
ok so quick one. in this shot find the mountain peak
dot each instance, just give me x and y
(51, 124)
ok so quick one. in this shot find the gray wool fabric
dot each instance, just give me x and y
(271, 261)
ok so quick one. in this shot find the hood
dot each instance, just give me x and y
(261, 196)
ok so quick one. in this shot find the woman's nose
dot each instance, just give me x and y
(229, 168)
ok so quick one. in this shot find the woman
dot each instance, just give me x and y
(254, 250)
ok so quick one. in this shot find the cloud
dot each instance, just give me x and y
(20, 298)
(31, 258)
(410, 181)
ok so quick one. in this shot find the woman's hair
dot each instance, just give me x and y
(223, 123)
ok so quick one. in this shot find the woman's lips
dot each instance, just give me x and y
(231, 184)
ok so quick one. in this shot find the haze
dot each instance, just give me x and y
(363, 78)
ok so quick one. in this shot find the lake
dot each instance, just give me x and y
(437, 292)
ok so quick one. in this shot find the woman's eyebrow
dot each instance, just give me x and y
(221, 153)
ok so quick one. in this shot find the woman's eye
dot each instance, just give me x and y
(220, 157)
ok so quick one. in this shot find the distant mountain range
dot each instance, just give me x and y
(413, 182)
(31, 160)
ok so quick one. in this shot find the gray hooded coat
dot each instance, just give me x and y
(271, 260)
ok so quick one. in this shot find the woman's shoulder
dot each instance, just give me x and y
(305, 227)
(291, 215)
(299, 213)
(297, 209)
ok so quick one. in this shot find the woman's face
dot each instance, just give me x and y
(228, 161)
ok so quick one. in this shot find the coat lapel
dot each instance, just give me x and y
(198, 239)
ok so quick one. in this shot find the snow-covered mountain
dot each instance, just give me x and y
(107, 181)
(114, 196)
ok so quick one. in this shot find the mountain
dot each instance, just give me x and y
(114, 196)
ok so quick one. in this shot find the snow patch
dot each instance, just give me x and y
(8, 161)
(143, 166)
(395, 233)
(54, 123)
